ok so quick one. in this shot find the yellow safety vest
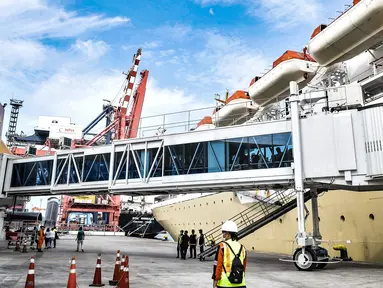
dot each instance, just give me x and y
(228, 258)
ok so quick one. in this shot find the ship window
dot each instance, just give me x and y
(342, 218)
(207, 203)
(222, 201)
(213, 202)
(280, 221)
(371, 216)
(231, 199)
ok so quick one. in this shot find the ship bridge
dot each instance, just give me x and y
(338, 149)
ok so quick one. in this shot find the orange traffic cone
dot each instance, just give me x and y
(116, 272)
(25, 246)
(121, 268)
(30, 282)
(72, 283)
(127, 271)
(122, 282)
(97, 274)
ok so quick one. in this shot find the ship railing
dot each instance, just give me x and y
(263, 207)
(187, 120)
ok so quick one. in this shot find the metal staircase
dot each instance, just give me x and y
(255, 217)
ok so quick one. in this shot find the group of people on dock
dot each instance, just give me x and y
(185, 241)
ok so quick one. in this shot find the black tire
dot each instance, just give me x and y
(303, 262)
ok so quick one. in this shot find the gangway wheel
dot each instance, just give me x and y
(305, 261)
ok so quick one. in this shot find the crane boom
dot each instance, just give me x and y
(138, 103)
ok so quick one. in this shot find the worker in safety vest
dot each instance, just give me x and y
(229, 273)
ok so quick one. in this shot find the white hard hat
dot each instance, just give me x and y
(229, 226)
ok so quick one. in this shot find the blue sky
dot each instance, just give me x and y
(63, 57)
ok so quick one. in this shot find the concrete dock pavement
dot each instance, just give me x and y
(153, 264)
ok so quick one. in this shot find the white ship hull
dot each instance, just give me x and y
(361, 225)
(355, 31)
(275, 83)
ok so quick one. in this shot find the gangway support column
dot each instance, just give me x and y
(315, 216)
(308, 255)
(298, 163)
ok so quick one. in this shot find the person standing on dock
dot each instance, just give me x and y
(184, 245)
(40, 239)
(179, 240)
(193, 244)
(80, 238)
(230, 259)
(201, 242)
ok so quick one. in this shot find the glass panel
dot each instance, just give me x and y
(237, 151)
(261, 150)
(96, 167)
(174, 160)
(122, 170)
(37, 173)
(216, 156)
(79, 161)
(139, 156)
(157, 168)
(283, 153)
(198, 162)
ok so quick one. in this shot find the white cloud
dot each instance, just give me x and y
(161, 100)
(232, 62)
(211, 11)
(36, 19)
(73, 91)
(21, 54)
(151, 45)
(166, 53)
(51, 81)
(91, 49)
(174, 32)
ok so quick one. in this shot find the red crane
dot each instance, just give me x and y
(127, 115)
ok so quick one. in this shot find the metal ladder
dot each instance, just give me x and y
(255, 217)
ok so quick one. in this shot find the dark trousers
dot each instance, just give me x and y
(193, 249)
(201, 249)
(54, 242)
(178, 251)
(183, 252)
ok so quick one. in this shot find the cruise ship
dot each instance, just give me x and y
(348, 51)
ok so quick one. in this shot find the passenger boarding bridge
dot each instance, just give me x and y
(340, 147)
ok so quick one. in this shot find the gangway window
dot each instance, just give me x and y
(96, 167)
(153, 159)
(257, 152)
(32, 173)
